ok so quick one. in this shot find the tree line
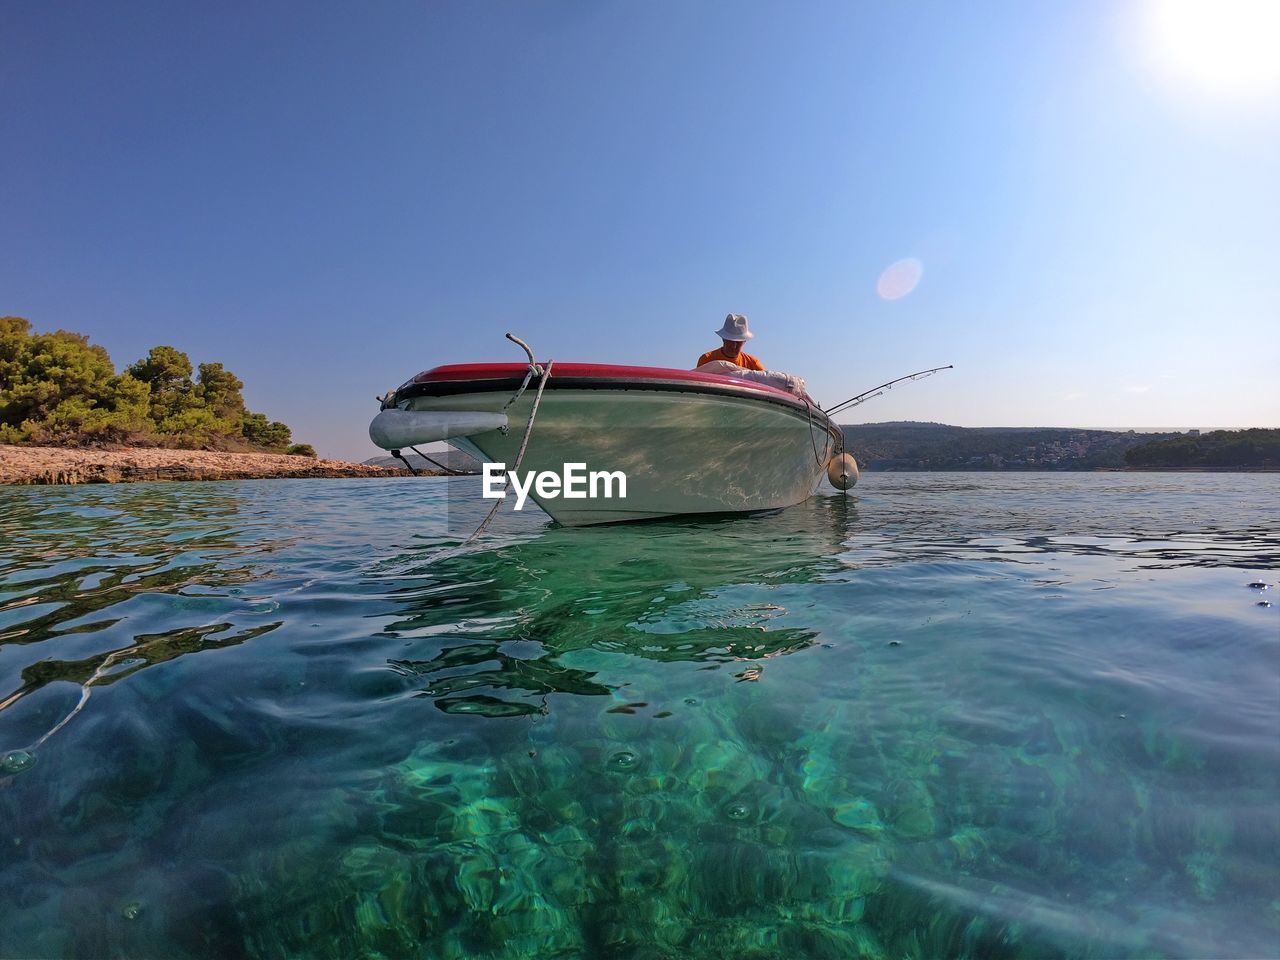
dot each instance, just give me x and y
(936, 446)
(1256, 448)
(58, 388)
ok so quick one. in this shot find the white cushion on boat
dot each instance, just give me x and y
(719, 366)
(774, 378)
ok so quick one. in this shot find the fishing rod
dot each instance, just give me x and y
(876, 391)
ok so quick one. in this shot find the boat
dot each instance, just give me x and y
(686, 441)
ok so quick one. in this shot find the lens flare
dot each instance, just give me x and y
(899, 279)
(1225, 46)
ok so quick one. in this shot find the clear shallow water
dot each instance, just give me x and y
(956, 714)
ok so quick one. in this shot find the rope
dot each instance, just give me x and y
(537, 399)
(399, 456)
(820, 459)
(449, 471)
(84, 698)
(534, 371)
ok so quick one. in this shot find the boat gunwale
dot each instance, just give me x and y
(584, 370)
(416, 388)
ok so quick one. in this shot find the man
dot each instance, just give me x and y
(734, 333)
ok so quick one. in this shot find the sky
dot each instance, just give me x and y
(1076, 203)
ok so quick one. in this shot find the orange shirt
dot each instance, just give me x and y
(743, 359)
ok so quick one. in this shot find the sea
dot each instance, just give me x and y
(946, 715)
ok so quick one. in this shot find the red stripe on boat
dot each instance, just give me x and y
(587, 371)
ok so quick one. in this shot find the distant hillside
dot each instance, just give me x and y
(1219, 449)
(912, 445)
(453, 459)
(936, 446)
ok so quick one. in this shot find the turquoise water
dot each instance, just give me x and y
(987, 715)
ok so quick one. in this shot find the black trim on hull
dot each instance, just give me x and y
(447, 388)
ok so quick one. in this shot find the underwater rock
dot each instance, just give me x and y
(476, 875)
(569, 841)
(487, 817)
(912, 815)
(369, 865)
(565, 807)
(859, 814)
(729, 937)
(528, 926)
(968, 844)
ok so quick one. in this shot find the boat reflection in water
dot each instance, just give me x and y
(637, 789)
(615, 590)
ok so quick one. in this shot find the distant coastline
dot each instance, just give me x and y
(25, 465)
(921, 447)
(980, 469)
(45, 465)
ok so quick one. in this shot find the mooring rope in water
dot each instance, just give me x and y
(85, 690)
(545, 375)
(15, 761)
(401, 457)
(448, 471)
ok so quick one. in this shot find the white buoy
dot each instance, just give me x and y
(842, 471)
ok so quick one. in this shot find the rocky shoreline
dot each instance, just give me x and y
(62, 465)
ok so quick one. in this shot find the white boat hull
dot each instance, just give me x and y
(682, 453)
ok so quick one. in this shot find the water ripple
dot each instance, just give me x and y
(952, 715)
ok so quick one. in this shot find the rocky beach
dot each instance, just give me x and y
(62, 465)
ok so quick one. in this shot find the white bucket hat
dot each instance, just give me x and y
(735, 328)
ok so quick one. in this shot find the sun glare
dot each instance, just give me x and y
(1221, 46)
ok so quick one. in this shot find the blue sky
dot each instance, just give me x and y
(329, 197)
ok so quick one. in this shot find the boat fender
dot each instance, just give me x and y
(394, 429)
(842, 471)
